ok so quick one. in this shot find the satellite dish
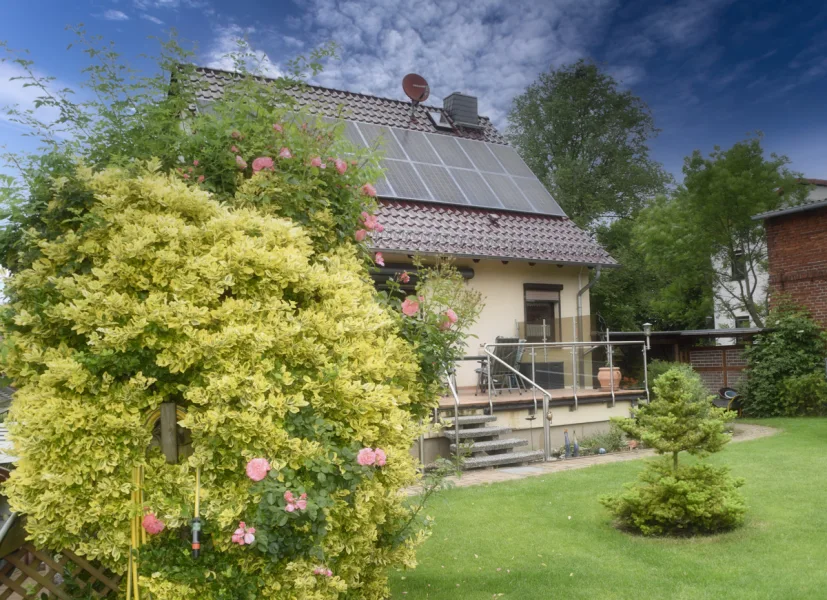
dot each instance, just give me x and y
(415, 87)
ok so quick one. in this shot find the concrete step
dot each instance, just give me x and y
(475, 432)
(491, 445)
(509, 458)
(470, 420)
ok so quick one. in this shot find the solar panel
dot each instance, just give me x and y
(475, 188)
(511, 160)
(405, 180)
(449, 151)
(538, 195)
(481, 156)
(443, 168)
(417, 147)
(375, 134)
(508, 192)
(442, 184)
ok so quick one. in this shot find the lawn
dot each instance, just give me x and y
(548, 537)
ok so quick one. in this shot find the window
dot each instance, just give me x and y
(542, 307)
(739, 266)
(742, 323)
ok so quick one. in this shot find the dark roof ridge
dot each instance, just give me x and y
(330, 89)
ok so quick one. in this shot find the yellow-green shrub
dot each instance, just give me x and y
(162, 294)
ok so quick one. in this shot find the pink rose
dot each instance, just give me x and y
(234, 149)
(195, 162)
(404, 277)
(316, 161)
(341, 166)
(249, 538)
(302, 502)
(450, 319)
(323, 571)
(288, 497)
(200, 179)
(369, 190)
(240, 163)
(261, 163)
(366, 457)
(370, 221)
(285, 153)
(410, 307)
(293, 504)
(244, 535)
(381, 457)
(361, 234)
(290, 507)
(257, 469)
(278, 128)
(152, 524)
(379, 228)
(379, 259)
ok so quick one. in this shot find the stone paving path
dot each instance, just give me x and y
(743, 432)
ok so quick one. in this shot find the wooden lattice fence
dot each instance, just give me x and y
(31, 573)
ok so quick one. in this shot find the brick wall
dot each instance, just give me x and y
(797, 248)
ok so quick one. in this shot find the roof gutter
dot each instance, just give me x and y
(790, 211)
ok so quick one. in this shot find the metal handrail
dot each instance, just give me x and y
(566, 344)
(452, 386)
(546, 397)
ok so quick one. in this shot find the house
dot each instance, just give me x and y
(797, 252)
(454, 187)
(729, 311)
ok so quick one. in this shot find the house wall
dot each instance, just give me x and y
(798, 259)
(502, 288)
(726, 294)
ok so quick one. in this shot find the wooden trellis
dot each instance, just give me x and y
(28, 573)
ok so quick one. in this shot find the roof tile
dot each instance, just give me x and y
(429, 228)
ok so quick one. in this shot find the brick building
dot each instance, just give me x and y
(797, 252)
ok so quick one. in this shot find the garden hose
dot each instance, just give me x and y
(196, 519)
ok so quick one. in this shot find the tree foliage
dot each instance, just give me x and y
(588, 142)
(794, 346)
(670, 498)
(706, 228)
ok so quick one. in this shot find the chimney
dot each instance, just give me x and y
(462, 109)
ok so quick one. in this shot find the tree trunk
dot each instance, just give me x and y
(675, 462)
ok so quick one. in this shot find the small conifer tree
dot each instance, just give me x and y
(670, 498)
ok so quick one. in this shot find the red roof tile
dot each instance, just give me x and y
(423, 227)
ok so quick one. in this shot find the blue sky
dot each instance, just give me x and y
(712, 70)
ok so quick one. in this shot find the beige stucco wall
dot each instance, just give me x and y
(502, 288)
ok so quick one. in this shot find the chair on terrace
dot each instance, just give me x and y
(501, 376)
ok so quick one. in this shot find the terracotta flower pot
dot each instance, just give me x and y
(605, 375)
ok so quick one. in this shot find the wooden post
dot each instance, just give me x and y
(169, 432)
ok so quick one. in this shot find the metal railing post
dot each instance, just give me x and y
(646, 374)
(453, 390)
(612, 371)
(422, 445)
(490, 386)
(546, 430)
(574, 374)
(533, 378)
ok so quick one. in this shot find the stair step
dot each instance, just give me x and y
(492, 445)
(510, 458)
(476, 432)
(470, 420)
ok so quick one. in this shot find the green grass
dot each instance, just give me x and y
(548, 537)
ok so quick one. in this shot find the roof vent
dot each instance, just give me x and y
(463, 110)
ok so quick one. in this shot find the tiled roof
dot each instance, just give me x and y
(427, 227)
(422, 227)
(356, 107)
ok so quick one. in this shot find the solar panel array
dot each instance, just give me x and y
(442, 168)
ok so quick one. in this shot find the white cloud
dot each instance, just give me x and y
(226, 42)
(168, 4)
(486, 48)
(115, 15)
(14, 93)
(151, 19)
